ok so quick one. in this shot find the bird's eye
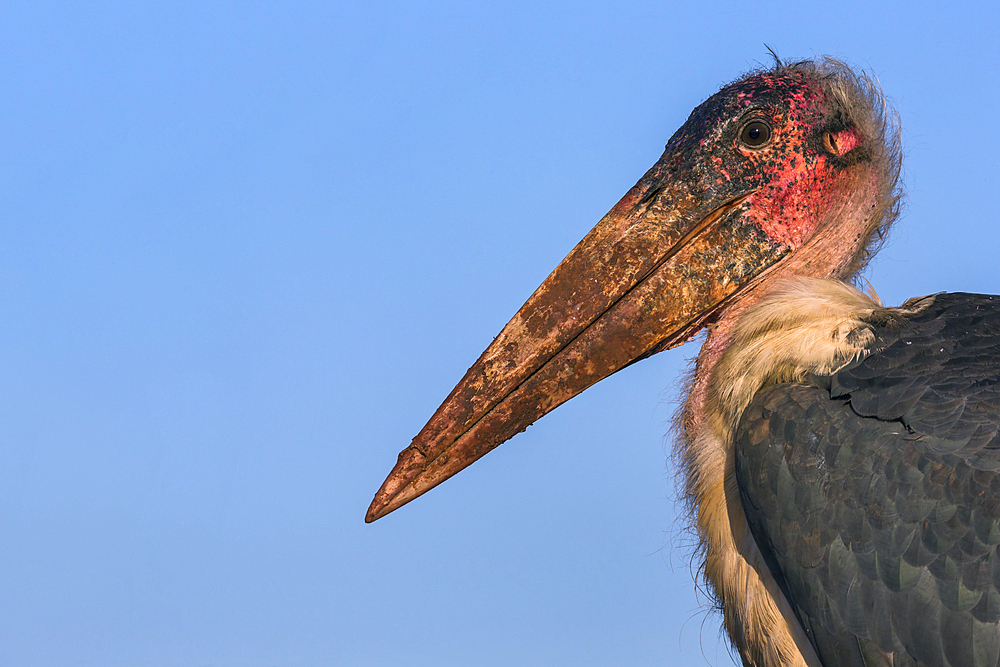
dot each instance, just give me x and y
(755, 134)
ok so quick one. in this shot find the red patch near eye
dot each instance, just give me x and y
(843, 142)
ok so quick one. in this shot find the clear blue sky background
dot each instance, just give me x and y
(247, 248)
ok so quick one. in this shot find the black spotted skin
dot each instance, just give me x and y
(874, 494)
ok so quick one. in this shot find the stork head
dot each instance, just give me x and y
(787, 171)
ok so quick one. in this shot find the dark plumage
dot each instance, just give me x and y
(874, 493)
(838, 457)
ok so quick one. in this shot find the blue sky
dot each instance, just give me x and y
(248, 248)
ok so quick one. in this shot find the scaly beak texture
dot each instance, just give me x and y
(646, 278)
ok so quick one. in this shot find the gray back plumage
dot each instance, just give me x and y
(874, 494)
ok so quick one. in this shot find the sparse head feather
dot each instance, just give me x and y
(825, 190)
(831, 167)
(860, 99)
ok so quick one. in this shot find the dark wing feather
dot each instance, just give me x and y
(874, 494)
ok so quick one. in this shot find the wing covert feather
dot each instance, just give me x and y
(874, 493)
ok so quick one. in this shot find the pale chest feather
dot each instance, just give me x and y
(807, 326)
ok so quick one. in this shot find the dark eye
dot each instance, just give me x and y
(755, 134)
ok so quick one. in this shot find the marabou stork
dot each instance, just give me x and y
(840, 457)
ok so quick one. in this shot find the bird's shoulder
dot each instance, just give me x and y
(936, 371)
(874, 493)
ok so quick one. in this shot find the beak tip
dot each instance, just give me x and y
(386, 502)
(397, 489)
(373, 513)
(382, 503)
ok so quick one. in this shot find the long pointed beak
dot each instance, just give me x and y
(646, 278)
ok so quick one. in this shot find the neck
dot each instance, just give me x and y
(759, 620)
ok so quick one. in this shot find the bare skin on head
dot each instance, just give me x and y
(787, 172)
